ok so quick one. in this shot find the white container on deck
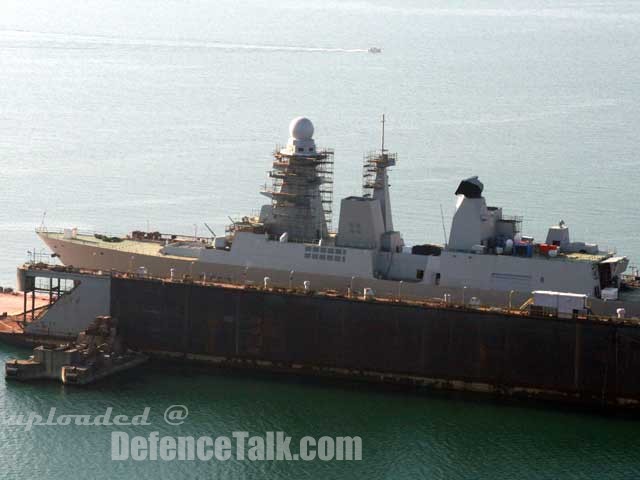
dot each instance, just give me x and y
(479, 249)
(508, 247)
(565, 303)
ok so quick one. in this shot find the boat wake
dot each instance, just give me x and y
(17, 38)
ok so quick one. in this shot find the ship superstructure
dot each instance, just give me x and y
(301, 192)
(292, 241)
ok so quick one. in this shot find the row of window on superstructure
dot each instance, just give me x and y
(320, 256)
(329, 250)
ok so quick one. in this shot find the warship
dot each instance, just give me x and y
(291, 241)
(491, 311)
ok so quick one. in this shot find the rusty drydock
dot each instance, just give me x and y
(519, 352)
(516, 354)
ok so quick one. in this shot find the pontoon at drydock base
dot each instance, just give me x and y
(291, 241)
(551, 347)
(98, 352)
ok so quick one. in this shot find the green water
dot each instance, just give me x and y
(404, 435)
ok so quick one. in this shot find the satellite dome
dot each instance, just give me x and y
(301, 128)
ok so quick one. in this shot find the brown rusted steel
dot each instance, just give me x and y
(581, 360)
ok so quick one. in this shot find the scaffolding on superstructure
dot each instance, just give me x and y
(300, 184)
(373, 162)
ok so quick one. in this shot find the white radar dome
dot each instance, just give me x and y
(301, 128)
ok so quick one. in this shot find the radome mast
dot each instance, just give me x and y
(302, 190)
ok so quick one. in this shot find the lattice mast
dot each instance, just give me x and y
(375, 179)
(302, 187)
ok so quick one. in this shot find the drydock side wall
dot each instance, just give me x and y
(578, 360)
(74, 311)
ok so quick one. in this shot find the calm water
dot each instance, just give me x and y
(117, 115)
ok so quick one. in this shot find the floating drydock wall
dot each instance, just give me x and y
(571, 359)
(85, 297)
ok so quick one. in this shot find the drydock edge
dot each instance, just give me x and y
(442, 344)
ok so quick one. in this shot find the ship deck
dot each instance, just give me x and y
(152, 247)
(139, 247)
(585, 257)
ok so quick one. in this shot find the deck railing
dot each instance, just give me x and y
(242, 282)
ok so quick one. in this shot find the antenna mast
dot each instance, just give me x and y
(383, 133)
(444, 230)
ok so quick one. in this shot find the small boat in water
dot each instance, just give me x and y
(375, 50)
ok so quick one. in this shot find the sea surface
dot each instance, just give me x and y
(118, 115)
